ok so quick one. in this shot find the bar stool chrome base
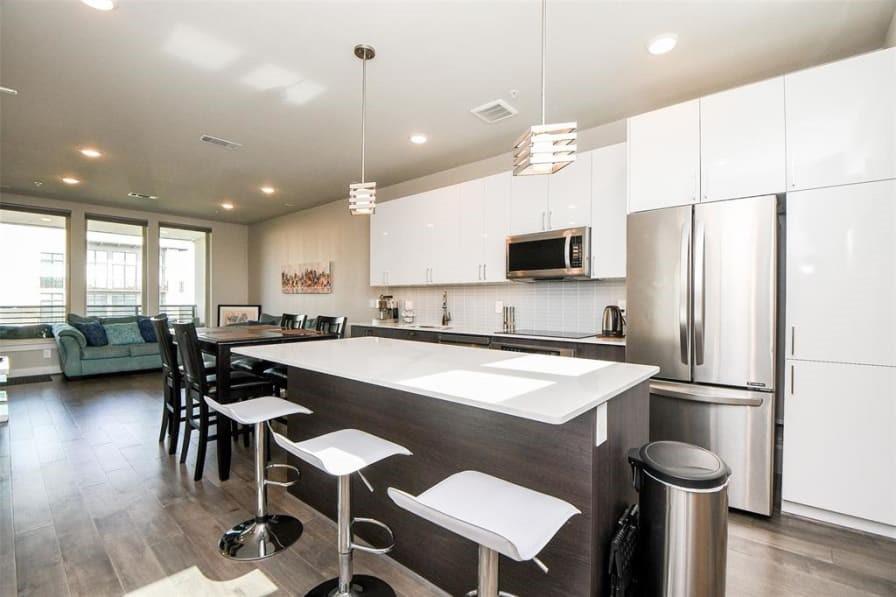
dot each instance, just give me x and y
(362, 585)
(253, 540)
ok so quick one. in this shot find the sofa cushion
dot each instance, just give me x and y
(105, 352)
(139, 350)
(119, 319)
(74, 318)
(146, 329)
(93, 331)
(123, 333)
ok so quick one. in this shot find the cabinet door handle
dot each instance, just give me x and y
(550, 213)
(792, 379)
(792, 340)
(484, 275)
(542, 221)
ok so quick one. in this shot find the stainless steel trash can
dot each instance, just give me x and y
(683, 499)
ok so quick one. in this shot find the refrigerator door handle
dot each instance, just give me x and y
(684, 292)
(699, 293)
(709, 395)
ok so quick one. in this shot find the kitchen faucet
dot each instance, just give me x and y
(446, 316)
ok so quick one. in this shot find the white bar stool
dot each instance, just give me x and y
(340, 454)
(500, 517)
(266, 534)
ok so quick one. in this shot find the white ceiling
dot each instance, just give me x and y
(144, 81)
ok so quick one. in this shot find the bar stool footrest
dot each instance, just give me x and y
(374, 522)
(475, 592)
(288, 467)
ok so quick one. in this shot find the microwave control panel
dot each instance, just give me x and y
(575, 252)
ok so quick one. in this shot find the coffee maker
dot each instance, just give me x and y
(386, 309)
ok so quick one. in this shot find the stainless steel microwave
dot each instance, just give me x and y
(553, 255)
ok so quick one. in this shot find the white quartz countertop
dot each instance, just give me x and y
(452, 329)
(544, 388)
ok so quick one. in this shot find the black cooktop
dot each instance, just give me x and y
(552, 333)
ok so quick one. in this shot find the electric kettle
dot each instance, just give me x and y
(613, 322)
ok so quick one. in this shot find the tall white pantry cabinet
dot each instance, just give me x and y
(840, 346)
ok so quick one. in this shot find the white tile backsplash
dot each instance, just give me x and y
(550, 305)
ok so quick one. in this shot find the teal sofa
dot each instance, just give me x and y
(77, 359)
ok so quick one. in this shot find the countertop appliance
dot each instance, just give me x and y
(613, 321)
(510, 346)
(386, 308)
(552, 255)
(702, 305)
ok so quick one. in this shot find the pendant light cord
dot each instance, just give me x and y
(363, 113)
(544, 19)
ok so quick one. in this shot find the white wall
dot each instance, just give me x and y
(891, 34)
(329, 232)
(324, 233)
(228, 252)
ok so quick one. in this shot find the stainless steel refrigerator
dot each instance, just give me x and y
(702, 305)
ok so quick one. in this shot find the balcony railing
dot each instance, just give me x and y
(113, 310)
(179, 312)
(36, 314)
(31, 314)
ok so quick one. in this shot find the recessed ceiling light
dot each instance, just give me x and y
(268, 190)
(418, 139)
(89, 152)
(100, 4)
(227, 205)
(70, 180)
(662, 43)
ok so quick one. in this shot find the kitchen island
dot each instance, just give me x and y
(554, 424)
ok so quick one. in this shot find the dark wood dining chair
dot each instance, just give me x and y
(331, 325)
(172, 405)
(198, 383)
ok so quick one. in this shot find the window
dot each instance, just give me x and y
(114, 267)
(33, 284)
(183, 272)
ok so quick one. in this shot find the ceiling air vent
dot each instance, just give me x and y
(220, 142)
(141, 196)
(494, 111)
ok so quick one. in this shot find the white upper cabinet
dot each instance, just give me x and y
(441, 235)
(381, 241)
(841, 274)
(471, 206)
(839, 453)
(608, 211)
(528, 204)
(569, 195)
(495, 225)
(742, 151)
(664, 157)
(841, 122)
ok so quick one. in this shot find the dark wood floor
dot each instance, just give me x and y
(90, 504)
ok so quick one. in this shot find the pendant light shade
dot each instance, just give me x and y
(362, 195)
(544, 148)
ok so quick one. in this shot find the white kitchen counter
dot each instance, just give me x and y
(452, 329)
(543, 388)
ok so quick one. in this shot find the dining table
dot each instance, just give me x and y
(219, 341)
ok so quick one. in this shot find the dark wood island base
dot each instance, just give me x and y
(445, 438)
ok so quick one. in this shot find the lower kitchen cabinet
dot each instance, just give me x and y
(839, 448)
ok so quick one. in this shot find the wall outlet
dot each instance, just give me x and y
(499, 307)
(373, 303)
(621, 304)
(47, 353)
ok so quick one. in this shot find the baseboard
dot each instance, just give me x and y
(45, 370)
(840, 520)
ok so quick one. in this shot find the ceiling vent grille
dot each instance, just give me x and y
(494, 111)
(141, 196)
(220, 142)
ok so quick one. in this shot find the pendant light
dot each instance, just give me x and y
(544, 148)
(362, 195)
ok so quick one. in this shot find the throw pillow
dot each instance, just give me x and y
(146, 330)
(123, 333)
(93, 332)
